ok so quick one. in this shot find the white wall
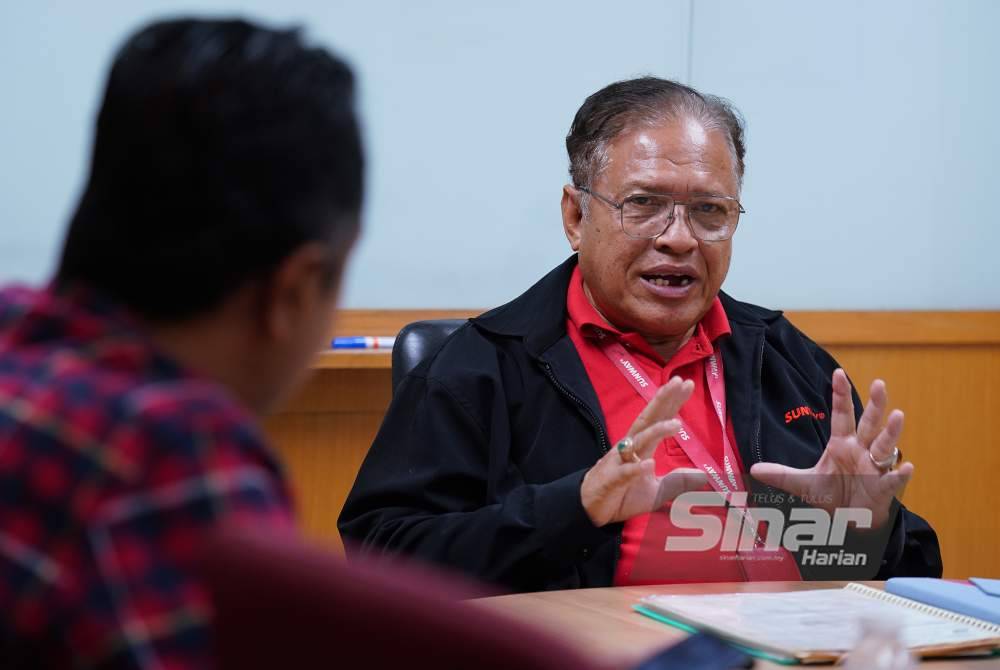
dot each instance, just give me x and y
(873, 141)
(869, 178)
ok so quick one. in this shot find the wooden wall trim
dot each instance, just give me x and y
(390, 321)
(825, 327)
(900, 328)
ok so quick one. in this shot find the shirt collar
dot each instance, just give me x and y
(585, 317)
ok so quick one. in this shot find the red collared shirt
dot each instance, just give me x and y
(621, 405)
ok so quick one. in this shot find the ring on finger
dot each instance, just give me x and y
(626, 450)
(887, 464)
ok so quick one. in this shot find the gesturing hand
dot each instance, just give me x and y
(617, 490)
(846, 474)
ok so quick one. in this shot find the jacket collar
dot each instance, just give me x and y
(539, 314)
(747, 314)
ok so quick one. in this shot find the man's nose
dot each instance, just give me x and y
(677, 238)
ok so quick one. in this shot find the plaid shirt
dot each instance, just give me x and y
(114, 462)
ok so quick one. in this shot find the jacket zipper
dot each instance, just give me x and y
(756, 432)
(596, 423)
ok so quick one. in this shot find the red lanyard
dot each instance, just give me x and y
(686, 439)
(784, 568)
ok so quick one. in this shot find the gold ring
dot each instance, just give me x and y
(626, 450)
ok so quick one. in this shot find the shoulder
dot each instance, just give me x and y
(474, 371)
(781, 336)
(15, 301)
(774, 322)
(185, 426)
(506, 339)
(187, 404)
(191, 456)
(139, 429)
(468, 353)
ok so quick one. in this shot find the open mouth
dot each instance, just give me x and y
(669, 280)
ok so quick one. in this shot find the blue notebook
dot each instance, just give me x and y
(968, 599)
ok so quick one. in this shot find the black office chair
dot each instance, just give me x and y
(418, 340)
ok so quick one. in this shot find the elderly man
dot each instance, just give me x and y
(532, 448)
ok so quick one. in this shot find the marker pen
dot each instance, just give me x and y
(363, 342)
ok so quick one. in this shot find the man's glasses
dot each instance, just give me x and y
(710, 218)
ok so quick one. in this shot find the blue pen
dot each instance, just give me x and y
(363, 342)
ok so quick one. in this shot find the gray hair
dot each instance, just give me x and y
(633, 103)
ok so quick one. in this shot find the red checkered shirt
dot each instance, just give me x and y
(114, 463)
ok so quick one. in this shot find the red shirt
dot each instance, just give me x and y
(621, 405)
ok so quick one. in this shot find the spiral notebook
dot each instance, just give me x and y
(821, 625)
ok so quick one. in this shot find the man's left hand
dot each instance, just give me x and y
(846, 474)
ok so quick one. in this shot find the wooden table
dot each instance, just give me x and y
(602, 623)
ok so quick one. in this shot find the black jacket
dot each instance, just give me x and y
(479, 461)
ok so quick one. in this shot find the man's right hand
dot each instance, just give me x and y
(614, 490)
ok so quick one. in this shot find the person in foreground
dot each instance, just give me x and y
(532, 447)
(197, 280)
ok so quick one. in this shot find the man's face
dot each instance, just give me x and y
(624, 277)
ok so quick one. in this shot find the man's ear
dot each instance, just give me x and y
(572, 216)
(300, 284)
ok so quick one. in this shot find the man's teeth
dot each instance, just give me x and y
(670, 280)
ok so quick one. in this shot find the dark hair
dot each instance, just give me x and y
(221, 147)
(626, 104)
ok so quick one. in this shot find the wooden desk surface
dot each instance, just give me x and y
(602, 623)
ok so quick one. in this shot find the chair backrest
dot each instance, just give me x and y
(281, 603)
(416, 341)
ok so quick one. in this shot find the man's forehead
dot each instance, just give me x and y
(653, 157)
(681, 135)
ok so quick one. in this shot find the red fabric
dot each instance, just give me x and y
(281, 603)
(114, 464)
(621, 405)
